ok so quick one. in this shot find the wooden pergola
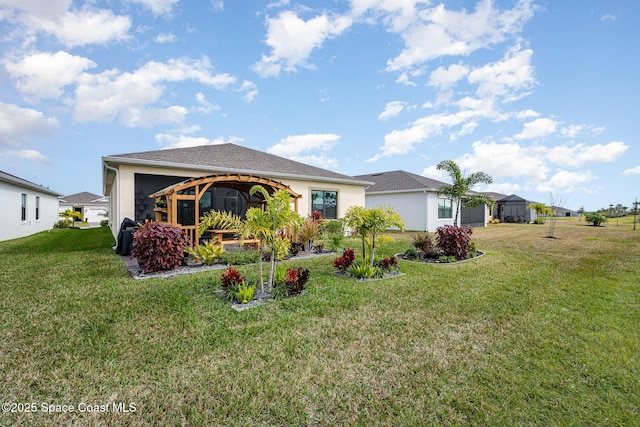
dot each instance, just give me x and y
(193, 189)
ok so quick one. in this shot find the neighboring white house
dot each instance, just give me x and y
(93, 208)
(27, 208)
(415, 197)
(129, 180)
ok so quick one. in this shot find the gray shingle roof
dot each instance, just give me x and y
(7, 177)
(495, 196)
(399, 180)
(84, 198)
(230, 158)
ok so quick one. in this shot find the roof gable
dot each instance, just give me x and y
(83, 198)
(230, 158)
(399, 180)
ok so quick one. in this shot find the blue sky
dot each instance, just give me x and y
(540, 95)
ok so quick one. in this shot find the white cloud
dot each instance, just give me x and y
(527, 114)
(27, 154)
(535, 163)
(217, 5)
(300, 148)
(158, 7)
(79, 27)
(205, 106)
(538, 128)
(632, 171)
(402, 141)
(565, 181)
(505, 78)
(167, 141)
(434, 173)
(292, 40)
(128, 96)
(250, 90)
(17, 123)
(392, 109)
(165, 38)
(444, 78)
(45, 74)
(506, 160)
(294, 145)
(579, 154)
(435, 32)
(608, 17)
(150, 117)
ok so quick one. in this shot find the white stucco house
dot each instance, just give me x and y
(27, 208)
(191, 181)
(92, 207)
(416, 199)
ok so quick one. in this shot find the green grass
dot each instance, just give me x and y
(537, 332)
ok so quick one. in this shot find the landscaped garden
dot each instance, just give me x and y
(537, 331)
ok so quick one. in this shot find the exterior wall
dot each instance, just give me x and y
(418, 209)
(91, 214)
(12, 226)
(348, 194)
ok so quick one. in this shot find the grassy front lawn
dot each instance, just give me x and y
(537, 332)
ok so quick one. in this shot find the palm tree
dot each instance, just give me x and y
(459, 188)
(276, 218)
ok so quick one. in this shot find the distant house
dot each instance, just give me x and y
(560, 211)
(515, 209)
(187, 182)
(92, 207)
(416, 199)
(492, 211)
(27, 208)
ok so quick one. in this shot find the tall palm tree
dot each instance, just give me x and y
(458, 190)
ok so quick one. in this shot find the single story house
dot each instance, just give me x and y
(187, 182)
(515, 209)
(492, 211)
(92, 207)
(416, 199)
(560, 211)
(27, 208)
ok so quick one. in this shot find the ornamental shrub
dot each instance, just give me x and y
(159, 247)
(595, 218)
(343, 262)
(454, 241)
(230, 282)
(296, 280)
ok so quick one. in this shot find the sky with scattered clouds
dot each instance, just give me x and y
(542, 96)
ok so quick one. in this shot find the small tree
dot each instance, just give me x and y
(595, 218)
(618, 211)
(71, 215)
(371, 223)
(458, 190)
(542, 210)
(635, 212)
(276, 218)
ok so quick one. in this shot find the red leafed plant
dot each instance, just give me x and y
(159, 247)
(388, 264)
(231, 278)
(296, 280)
(454, 241)
(343, 262)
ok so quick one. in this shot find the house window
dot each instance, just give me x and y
(445, 209)
(37, 208)
(23, 214)
(325, 202)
